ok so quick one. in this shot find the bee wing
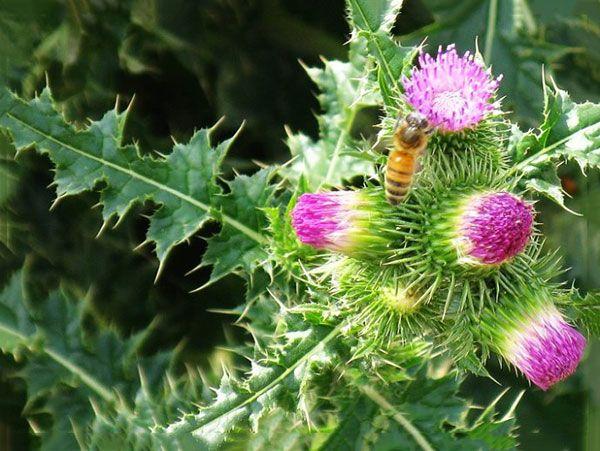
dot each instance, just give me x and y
(419, 162)
(384, 142)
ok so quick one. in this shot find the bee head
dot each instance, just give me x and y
(417, 120)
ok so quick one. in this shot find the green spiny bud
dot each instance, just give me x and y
(378, 306)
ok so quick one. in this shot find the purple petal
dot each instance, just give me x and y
(548, 350)
(496, 227)
(453, 92)
(324, 220)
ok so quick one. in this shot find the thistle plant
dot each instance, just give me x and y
(364, 317)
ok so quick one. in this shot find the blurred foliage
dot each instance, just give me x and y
(183, 65)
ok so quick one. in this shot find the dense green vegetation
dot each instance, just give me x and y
(154, 215)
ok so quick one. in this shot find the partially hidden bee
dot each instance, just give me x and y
(409, 142)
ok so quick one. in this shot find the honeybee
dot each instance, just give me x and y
(409, 142)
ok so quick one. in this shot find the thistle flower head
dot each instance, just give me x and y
(349, 222)
(453, 92)
(538, 341)
(493, 228)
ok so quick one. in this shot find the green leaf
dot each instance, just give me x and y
(345, 91)
(585, 311)
(418, 416)
(374, 15)
(277, 430)
(570, 131)
(231, 250)
(373, 21)
(129, 425)
(9, 174)
(278, 382)
(490, 432)
(547, 183)
(182, 183)
(97, 388)
(511, 40)
(423, 413)
(17, 331)
(22, 26)
(354, 421)
(56, 360)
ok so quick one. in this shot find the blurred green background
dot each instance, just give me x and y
(189, 63)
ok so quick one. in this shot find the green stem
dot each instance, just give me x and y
(491, 31)
(418, 437)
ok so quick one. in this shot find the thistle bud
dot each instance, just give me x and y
(378, 306)
(350, 222)
(482, 229)
(535, 338)
(492, 228)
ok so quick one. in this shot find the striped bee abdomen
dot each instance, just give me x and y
(401, 166)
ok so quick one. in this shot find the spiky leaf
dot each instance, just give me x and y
(344, 91)
(277, 382)
(183, 183)
(585, 311)
(421, 414)
(231, 250)
(17, 331)
(373, 20)
(97, 388)
(570, 131)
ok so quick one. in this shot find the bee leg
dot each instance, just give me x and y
(398, 120)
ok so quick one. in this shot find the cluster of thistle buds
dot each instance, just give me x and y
(474, 229)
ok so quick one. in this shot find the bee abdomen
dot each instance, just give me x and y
(398, 176)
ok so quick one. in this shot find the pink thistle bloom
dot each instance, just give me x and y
(493, 227)
(453, 92)
(341, 221)
(544, 347)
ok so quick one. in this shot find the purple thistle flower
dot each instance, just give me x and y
(545, 348)
(453, 92)
(493, 228)
(342, 221)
